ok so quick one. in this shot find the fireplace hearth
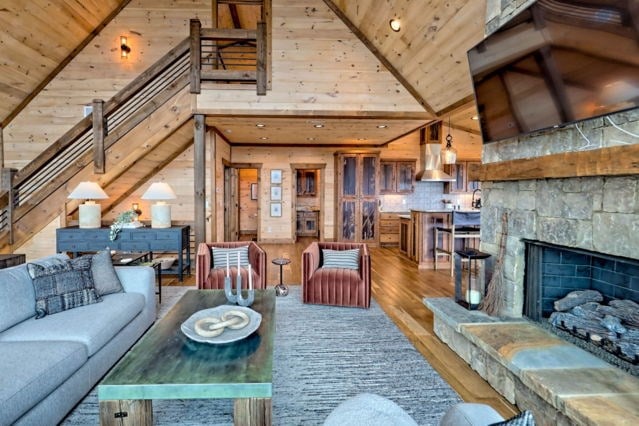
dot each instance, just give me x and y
(590, 299)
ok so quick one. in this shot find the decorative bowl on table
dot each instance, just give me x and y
(228, 335)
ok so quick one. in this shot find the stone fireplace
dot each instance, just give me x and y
(594, 213)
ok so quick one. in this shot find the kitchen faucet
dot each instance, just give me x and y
(476, 204)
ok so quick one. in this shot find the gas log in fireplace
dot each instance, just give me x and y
(592, 299)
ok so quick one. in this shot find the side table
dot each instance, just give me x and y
(281, 289)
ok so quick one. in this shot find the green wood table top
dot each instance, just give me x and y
(165, 364)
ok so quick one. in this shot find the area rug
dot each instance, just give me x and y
(323, 355)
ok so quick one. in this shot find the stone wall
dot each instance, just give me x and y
(594, 213)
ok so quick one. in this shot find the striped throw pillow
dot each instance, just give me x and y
(219, 256)
(343, 259)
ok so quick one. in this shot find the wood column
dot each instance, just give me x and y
(1, 148)
(213, 192)
(261, 58)
(196, 54)
(99, 132)
(126, 412)
(199, 178)
(252, 412)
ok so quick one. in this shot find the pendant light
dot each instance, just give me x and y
(449, 156)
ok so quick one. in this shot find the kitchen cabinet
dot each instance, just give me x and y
(307, 223)
(422, 248)
(306, 183)
(405, 234)
(397, 176)
(389, 229)
(357, 197)
(461, 171)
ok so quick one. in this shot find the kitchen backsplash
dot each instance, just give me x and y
(427, 196)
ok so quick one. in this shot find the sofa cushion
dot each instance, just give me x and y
(219, 256)
(64, 286)
(30, 371)
(105, 279)
(342, 259)
(17, 296)
(93, 325)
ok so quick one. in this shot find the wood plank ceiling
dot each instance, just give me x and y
(428, 54)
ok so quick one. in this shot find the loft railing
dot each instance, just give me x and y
(228, 55)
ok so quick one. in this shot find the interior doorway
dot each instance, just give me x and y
(241, 202)
(308, 200)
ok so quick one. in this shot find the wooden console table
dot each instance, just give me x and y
(174, 239)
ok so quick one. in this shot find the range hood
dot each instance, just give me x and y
(430, 149)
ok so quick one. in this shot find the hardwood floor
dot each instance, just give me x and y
(399, 288)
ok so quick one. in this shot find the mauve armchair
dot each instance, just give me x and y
(207, 277)
(336, 286)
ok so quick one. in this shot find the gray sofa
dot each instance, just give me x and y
(48, 365)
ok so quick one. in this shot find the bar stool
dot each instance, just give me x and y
(464, 226)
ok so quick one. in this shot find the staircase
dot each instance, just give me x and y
(126, 140)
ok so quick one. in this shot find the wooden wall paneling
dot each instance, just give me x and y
(222, 155)
(199, 178)
(318, 64)
(64, 29)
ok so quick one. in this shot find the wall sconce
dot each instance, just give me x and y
(90, 213)
(124, 48)
(395, 24)
(160, 211)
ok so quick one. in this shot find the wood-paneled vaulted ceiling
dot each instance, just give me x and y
(428, 55)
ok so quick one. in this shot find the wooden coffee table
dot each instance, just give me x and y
(165, 364)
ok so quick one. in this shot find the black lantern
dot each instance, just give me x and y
(471, 276)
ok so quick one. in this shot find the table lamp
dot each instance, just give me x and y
(90, 213)
(160, 211)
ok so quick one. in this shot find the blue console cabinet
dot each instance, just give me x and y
(174, 239)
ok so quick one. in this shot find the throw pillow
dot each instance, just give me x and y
(525, 418)
(105, 279)
(63, 286)
(343, 259)
(219, 256)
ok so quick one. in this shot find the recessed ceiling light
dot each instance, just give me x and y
(264, 138)
(361, 139)
(310, 139)
(318, 125)
(474, 117)
(228, 130)
(395, 24)
(260, 125)
(382, 126)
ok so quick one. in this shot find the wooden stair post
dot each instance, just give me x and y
(196, 54)
(7, 185)
(199, 178)
(99, 132)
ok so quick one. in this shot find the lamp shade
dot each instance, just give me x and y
(159, 191)
(88, 191)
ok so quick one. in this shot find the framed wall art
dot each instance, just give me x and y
(276, 176)
(276, 209)
(276, 193)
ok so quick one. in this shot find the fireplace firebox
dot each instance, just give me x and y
(593, 298)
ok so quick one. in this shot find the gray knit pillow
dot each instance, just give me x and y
(105, 278)
(63, 286)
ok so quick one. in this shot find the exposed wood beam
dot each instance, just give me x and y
(227, 34)
(214, 13)
(380, 57)
(99, 131)
(403, 135)
(244, 2)
(461, 104)
(199, 178)
(466, 129)
(613, 161)
(64, 63)
(229, 75)
(318, 115)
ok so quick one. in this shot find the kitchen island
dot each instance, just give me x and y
(417, 236)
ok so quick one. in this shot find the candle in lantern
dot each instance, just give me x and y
(238, 263)
(250, 278)
(228, 266)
